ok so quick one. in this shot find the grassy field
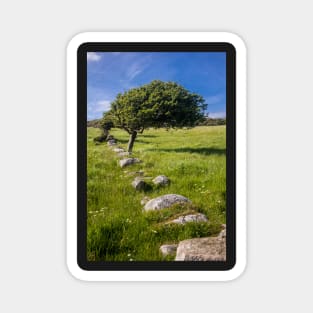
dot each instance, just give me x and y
(193, 159)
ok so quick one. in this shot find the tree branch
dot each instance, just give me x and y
(127, 129)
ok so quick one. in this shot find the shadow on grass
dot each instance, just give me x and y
(126, 140)
(121, 140)
(148, 136)
(201, 150)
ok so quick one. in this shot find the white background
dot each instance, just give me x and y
(33, 275)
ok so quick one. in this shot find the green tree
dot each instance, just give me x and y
(157, 104)
(105, 124)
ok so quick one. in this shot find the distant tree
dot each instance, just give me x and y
(157, 104)
(105, 124)
(212, 121)
(94, 123)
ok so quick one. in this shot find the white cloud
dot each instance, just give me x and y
(217, 115)
(96, 109)
(103, 106)
(93, 56)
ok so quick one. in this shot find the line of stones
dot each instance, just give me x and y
(196, 249)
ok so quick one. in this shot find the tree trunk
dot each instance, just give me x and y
(105, 133)
(131, 141)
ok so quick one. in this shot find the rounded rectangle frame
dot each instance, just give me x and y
(240, 157)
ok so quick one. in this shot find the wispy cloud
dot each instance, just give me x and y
(133, 73)
(93, 57)
(134, 70)
(217, 115)
(103, 105)
(136, 67)
(96, 109)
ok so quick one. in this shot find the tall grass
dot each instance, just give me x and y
(193, 159)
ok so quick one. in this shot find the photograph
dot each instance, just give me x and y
(156, 156)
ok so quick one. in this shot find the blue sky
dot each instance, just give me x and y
(109, 73)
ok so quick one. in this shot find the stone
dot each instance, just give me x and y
(111, 142)
(118, 150)
(167, 250)
(144, 200)
(165, 201)
(161, 180)
(202, 249)
(196, 218)
(129, 161)
(139, 184)
(110, 137)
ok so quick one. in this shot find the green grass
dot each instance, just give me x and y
(193, 159)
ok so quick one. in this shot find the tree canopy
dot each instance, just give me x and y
(107, 121)
(157, 104)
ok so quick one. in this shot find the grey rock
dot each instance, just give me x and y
(165, 201)
(139, 184)
(202, 249)
(118, 150)
(110, 137)
(161, 180)
(197, 218)
(168, 250)
(129, 161)
(111, 142)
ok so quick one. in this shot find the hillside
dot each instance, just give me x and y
(195, 162)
